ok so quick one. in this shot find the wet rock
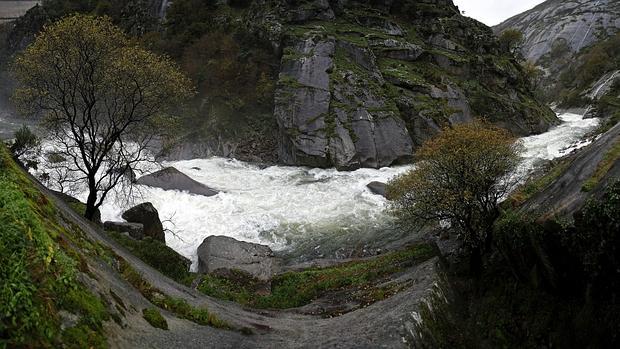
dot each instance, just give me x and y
(135, 230)
(147, 215)
(221, 252)
(378, 188)
(395, 49)
(172, 179)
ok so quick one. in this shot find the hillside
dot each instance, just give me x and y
(577, 24)
(575, 43)
(67, 283)
(326, 84)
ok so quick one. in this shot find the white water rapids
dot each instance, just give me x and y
(287, 207)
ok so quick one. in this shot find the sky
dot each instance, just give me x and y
(492, 12)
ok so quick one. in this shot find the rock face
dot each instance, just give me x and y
(147, 215)
(378, 188)
(221, 252)
(567, 194)
(577, 23)
(135, 230)
(363, 83)
(172, 179)
(560, 37)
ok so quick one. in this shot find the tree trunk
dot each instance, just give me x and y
(90, 211)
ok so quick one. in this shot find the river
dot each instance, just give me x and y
(302, 212)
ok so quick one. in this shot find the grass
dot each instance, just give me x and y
(298, 288)
(38, 273)
(154, 317)
(159, 256)
(608, 161)
(177, 306)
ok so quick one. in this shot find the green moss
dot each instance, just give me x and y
(341, 29)
(78, 207)
(609, 160)
(159, 256)
(177, 306)
(85, 304)
(83, 336)
(38, 275)
(295, 289)
(344, 66)
(154, 317)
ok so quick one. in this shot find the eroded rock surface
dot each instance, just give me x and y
(222, 252)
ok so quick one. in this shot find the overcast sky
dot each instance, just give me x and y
(492, 12)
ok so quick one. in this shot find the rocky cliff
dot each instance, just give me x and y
(576, 23)
(581, 176)
(357, 83)
(362, 83)
(576, 45)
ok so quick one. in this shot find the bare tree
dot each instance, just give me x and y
(103, 99)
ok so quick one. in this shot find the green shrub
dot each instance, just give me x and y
(154, 317)
(37, 275)
(159, 256)
(25, 141)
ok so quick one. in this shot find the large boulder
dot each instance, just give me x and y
(135, 230)
(378, 188)
(172, 179)
(147, 215)
(222, 252)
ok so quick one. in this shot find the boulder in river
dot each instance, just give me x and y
(135, 230)
(172, 179)
(222, 252)
(378, 188)
(147, 215)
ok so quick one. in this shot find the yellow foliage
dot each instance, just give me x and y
(460, 177)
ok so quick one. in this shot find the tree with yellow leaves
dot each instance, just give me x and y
(103, 99)
(461, 177)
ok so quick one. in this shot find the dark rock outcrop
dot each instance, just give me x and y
(135, 230)
(172, 179)
(362, 83)
(221, 252)
(378, 188)
(147, 215)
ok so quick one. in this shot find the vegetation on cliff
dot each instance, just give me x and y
(546, 284)
(433, 66)
(40, 271)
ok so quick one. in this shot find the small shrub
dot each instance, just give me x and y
(25, 141)
(154, 317)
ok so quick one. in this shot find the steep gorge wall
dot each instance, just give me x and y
(577, 23)
(360, 83)
(363, 83)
